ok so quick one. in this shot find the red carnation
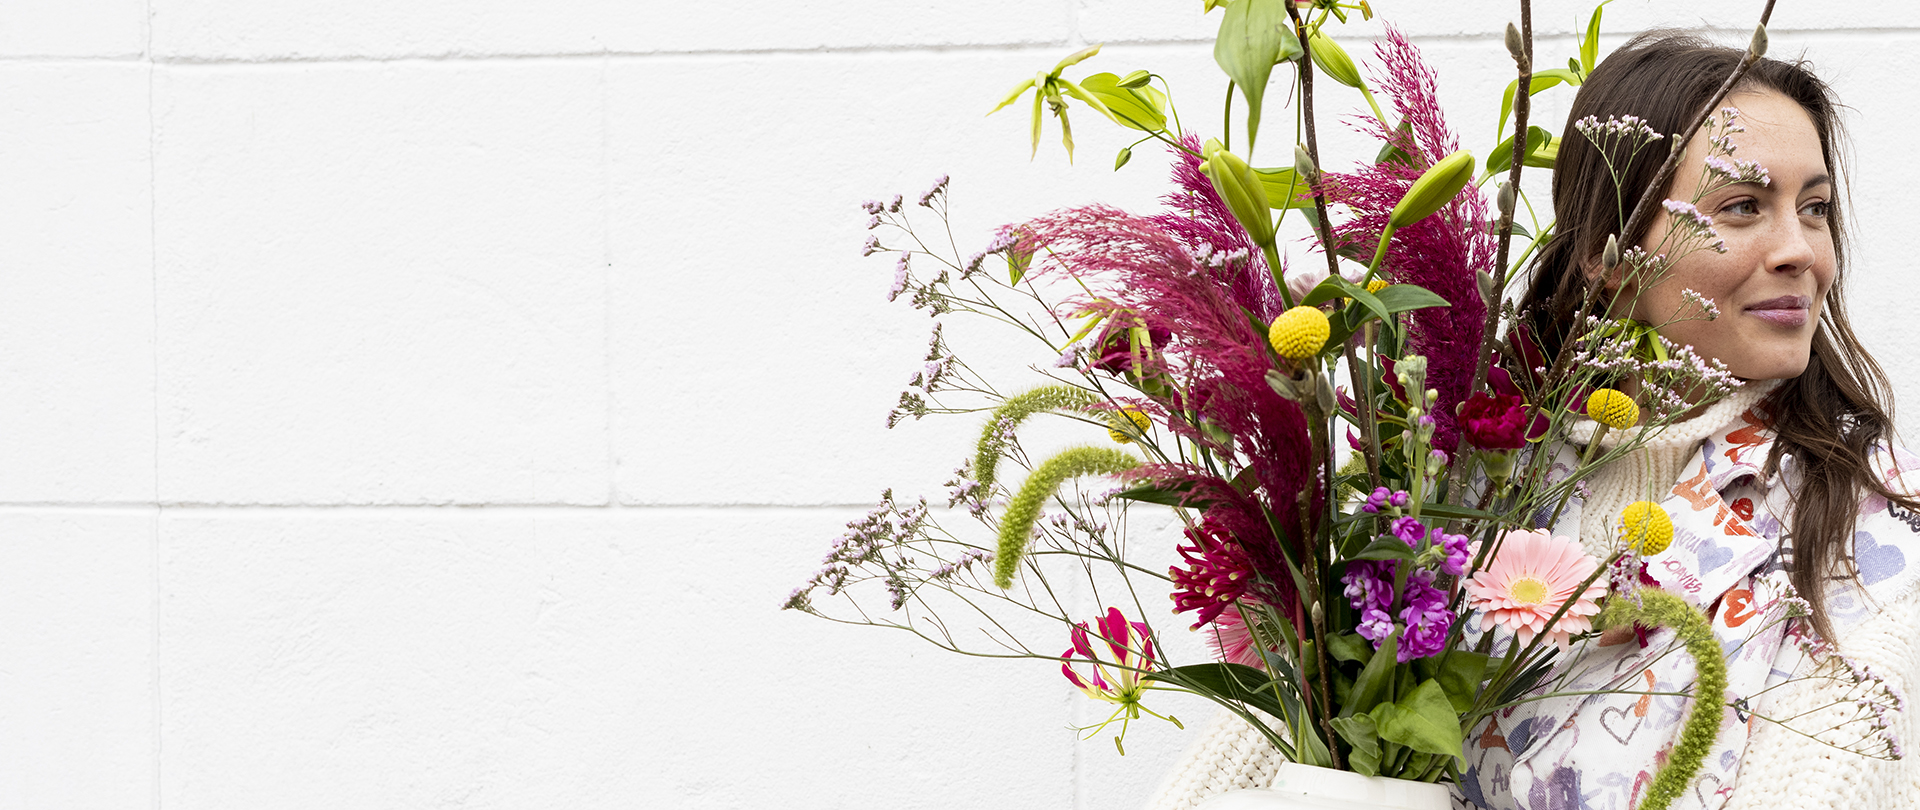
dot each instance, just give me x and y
(1494, 421)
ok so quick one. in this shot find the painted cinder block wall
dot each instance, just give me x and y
(426, 404)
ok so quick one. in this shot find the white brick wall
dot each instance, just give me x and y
(425, 404)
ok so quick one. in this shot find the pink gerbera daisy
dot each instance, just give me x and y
(1527, 582)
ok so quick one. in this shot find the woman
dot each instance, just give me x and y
(1790, 480)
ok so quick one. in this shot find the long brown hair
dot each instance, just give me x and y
(1832, 415)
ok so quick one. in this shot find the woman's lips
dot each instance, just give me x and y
(1787, 310)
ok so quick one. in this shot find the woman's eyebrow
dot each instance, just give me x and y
(1816, 180)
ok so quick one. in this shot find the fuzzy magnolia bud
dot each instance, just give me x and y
(1758, 47)
(1506, 200)
(1610, 257)
(1303, 167)
(1516, 46)
(1487, 289)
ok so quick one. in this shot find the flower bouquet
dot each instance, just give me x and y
(1367, 458)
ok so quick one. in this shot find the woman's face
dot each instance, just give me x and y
(1771, 284)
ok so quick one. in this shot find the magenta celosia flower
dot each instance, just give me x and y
(1116, 351)
(1494, 421)
(1122, 657)
(1441, 252)
(1200, 219)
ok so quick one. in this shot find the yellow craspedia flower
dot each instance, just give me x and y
(1376, 285)
(1126, 424)
(1613, 409)
(1646, 528)
(1299, 332)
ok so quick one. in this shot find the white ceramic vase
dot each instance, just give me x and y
(1306, 787)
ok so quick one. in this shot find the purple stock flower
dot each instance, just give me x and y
(1456, 547)
(1426, 617)
(1375, 625)
(1377, 500)
(1409, 530)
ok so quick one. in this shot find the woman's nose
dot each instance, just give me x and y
(1790, 246)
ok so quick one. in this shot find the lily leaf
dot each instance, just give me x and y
(1359, 732)
(1408, 297)
(1349, 647)
(1541, 81)
(1385, 548)
(1459, 674)
(1375, 678)
(1502, 157)
(1284, 189)
(1138, 108)
(1237, 682)
(1590, 44)
(1423, 720)
(1254, 36)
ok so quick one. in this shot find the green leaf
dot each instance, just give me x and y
(1423, 721)
(1254, 36)
(1408, 297)
(1236, 682)
(1385, 548)
(1459, 674)
(1502, 157)
(1136, 108)
(1359, 732)
(1018, 262)
(1445, 512)
(1392, 154)
(1541, 81)
(1547, 156)
(1350, 647)
(1590, 45)
(1174, 495)
(1325, 291)
(1358, 293)
(1371, 687)
(1283, 190)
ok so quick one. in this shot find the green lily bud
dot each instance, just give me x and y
(1240, 187)
(1333, 60)
(1434, 189)
(1126, 154)
(1135, 79)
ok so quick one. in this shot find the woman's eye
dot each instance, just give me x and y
(1747, 207)
(1816, 209)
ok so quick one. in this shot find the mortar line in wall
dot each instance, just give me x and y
(1046, 47)
(83, 507)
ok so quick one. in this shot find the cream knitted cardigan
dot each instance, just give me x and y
(1781, 769)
